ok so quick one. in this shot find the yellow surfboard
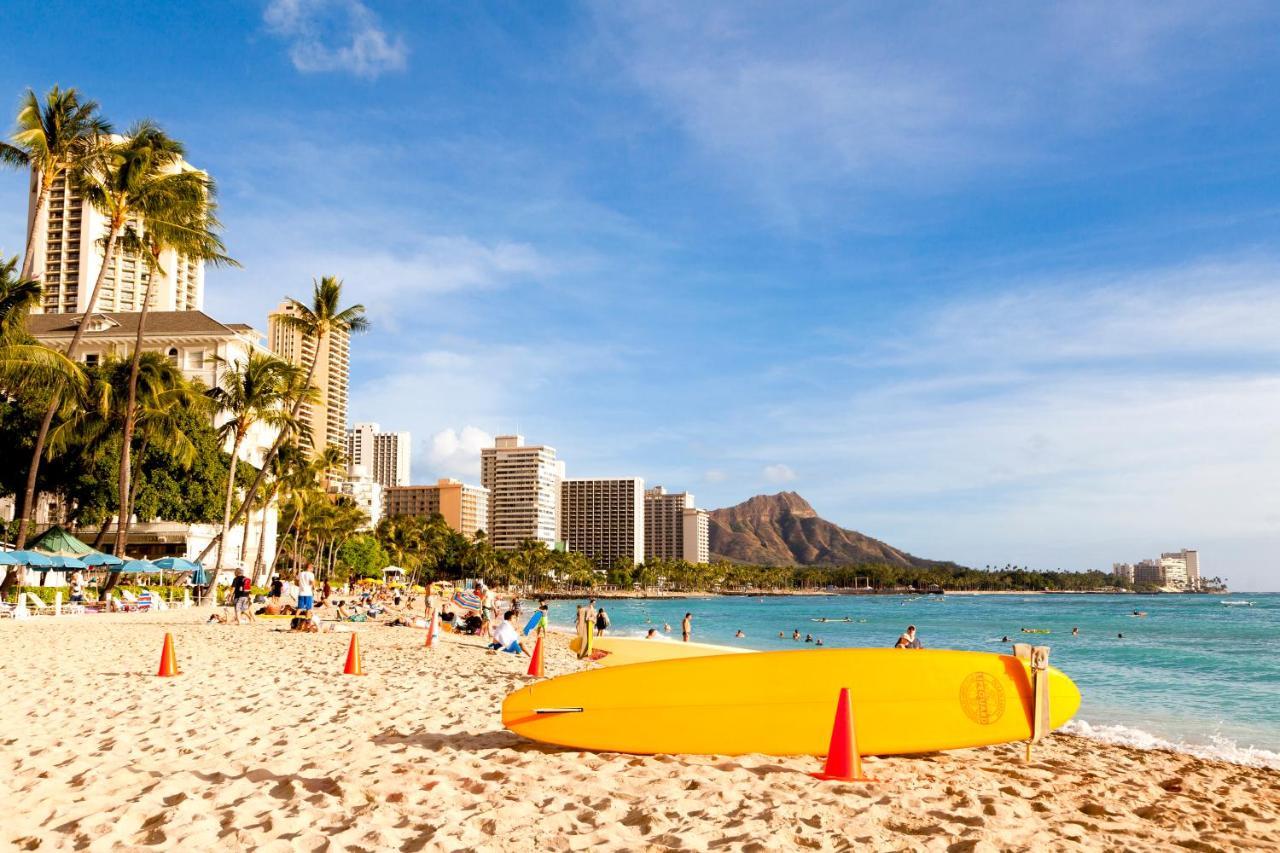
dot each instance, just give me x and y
(783, 703)
(617, 651)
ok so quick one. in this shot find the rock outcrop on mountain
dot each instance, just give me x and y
(783, 530)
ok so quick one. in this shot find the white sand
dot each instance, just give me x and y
(263, 744)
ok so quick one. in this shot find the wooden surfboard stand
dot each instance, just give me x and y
(1038, 658)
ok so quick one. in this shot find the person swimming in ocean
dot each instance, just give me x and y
(1075, 632)
(818, 642)
(795, 635)
(739, 634)
(1005, 638)
(808, 638)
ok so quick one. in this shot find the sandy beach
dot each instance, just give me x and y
(262, 744)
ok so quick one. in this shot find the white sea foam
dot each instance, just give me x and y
(1218, 748)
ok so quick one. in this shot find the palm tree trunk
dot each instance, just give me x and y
(226, 506)
(102, 534)
(266, 460)
(29, 495)
(38, 223)
(130, 420)
(244, 543)
(262, 536)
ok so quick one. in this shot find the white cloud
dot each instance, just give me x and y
(715, 475)
(778, 473)
(457, 454)
(335, 35)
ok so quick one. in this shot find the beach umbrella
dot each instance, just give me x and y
(97, 559)
(199, 577)
(177, 564)
(469, 600)
(67, 564)
(29, 558)
(7, 559)
(138, 566)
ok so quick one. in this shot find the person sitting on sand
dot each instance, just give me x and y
(909, 640)
(505, 636)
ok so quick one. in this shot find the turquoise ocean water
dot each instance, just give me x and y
(1193, 674)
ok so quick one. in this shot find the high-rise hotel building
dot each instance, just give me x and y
(674, 528)
(604, 519)
(524, 492)
(325, 420)
(384, 455)
(464, 508)
(68, 252)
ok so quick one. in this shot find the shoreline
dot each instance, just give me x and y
(262, 742)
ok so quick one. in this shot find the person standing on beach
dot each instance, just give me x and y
(240, 598)
(591, 611)
(77, 588)
(602, 622)
(306, 588)
(686, 627)
(580, 626)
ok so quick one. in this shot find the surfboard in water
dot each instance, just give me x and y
(782, 703)
(618, 651)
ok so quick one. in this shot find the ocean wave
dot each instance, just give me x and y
(1218, 748)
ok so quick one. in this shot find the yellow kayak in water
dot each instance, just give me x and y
(782, 703)
(617, 651)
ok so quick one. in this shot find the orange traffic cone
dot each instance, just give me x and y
(844, 764)
(353, 658)
(536, 668)
(168, 660)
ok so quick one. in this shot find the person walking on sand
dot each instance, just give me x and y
(240, 596)
(77, 588)
(686, 627)
(306, 588)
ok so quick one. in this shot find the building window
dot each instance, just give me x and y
(173, 356)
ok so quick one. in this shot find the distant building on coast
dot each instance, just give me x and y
(604, 519)
(68, 251)
(1179, 570)
(464, 508)
(383, 455)
(524, 492)
(674, 528)
(325, 420)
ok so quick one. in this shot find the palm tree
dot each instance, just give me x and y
(178, 216)
(56, 139)
(286, 472)
(124, 180)
(24, 364)
(318, 321)
(251, 392)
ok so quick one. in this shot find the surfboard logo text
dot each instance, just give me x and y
(982, 698)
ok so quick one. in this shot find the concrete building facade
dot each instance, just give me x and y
(68, 252)
(674, 528)
(464, 508)
(366, 492)
(524, 492)
(383, 455)
(604, 519)
(1122, 572)
(324, 421)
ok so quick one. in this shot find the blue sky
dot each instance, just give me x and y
(994, 283)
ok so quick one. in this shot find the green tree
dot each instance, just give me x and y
(318, 321)
(362, 556)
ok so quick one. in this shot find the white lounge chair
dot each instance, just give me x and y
(36, 605)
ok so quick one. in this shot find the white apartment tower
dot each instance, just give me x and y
(68, 257)
(384, 455)
(604, 519)
(324, 422)
(674, 528)
(524, 492)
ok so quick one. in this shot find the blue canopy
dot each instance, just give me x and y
(199, 577)
(138, 566)
(97, 559)
(67, 564)
(177, 564)
(26, 558)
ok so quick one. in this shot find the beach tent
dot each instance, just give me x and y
(57, 542)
